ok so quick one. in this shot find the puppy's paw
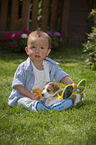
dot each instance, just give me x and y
(79, 98)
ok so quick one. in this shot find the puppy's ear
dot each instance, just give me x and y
(55, 87)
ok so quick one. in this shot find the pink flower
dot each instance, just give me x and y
(57, 34)
(25, 31)
(50, 46)
(17, 36)
(15, 45)
(61, 39)
(49, 33)
(10, 44)
(8, 37)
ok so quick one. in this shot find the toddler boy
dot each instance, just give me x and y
(35, 72)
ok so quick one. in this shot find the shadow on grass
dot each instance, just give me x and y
(85, 103)
(68, 55)
(8, 57)
(65, 55)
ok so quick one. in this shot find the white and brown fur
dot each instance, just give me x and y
(50, 93)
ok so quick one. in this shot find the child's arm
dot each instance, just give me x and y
(25, 92)
(67, 80)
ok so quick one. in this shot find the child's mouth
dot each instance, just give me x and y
(37, 56)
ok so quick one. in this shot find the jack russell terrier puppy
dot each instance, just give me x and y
(50, 93)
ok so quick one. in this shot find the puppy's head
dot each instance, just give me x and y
(50, 89)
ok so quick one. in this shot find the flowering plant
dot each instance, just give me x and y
(90, 49)
(17, 42)
(56, 40)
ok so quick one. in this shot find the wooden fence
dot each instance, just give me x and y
(66, 16)
(50, 15)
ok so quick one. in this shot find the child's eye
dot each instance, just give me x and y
(41, 47)
(33, 47)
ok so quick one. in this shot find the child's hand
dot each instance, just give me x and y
(25, 92)
(33, 96)
(74, 87)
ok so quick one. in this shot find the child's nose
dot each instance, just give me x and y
(37, 49)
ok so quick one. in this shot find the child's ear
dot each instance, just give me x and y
(26, 49)
(49, 50)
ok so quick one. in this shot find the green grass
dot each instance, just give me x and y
(76, 126)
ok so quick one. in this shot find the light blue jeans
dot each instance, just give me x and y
(28, 103)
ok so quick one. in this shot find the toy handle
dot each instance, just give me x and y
(81, 87)
(68, 90)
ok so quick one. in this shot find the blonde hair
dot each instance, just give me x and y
(39, 33)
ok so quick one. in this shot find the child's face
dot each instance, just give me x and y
(38, 49)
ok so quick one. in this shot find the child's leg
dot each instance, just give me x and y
(63, 105)
(32, 105)
(27, 103)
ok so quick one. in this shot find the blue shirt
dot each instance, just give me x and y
(24, 76)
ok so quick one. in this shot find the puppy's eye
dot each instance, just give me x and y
(48, 90)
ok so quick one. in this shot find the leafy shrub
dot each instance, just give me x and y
(17, 42)
(90, 48)
(93, 14)
(56, 40)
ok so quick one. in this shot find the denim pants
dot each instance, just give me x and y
(27, 103)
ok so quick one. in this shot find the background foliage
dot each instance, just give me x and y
(90, 45)
(17, 42)
(90, 48)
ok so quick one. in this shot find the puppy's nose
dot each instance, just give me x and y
(42, 95)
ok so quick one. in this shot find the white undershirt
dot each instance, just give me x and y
(41, 76)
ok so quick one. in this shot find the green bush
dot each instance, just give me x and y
(56, 40)
(90, 49)
(16, 42)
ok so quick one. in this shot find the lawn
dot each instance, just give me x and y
(76, 126)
